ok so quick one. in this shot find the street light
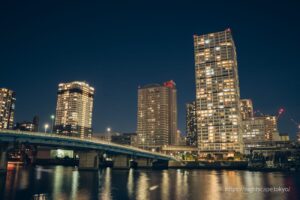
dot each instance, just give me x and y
(108, 129)
(46, 126)
(52, 121)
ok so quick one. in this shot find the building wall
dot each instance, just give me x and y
(74, 109)
(7, 108)
(31, 126)
(259, 131)
(246, 107)
(157, 115)
(25, 126)
(271, 129)
(217, 93)
(284, 137)
(191, 124)
(253, 130)
(124, 139)
(174, 136)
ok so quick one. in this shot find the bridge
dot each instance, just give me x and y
(89, 150)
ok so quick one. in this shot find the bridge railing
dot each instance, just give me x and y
(90, 140)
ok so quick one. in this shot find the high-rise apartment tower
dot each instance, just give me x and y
(217, 94)
(7, 108)
(191, 124)
(157, 115)
(74, 109)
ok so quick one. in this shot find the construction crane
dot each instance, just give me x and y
(297, 125)
(279, 113)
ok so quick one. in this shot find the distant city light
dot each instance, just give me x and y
(46, 126)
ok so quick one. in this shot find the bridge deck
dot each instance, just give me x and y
(48, 139)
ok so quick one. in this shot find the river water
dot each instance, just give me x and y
(60, 182)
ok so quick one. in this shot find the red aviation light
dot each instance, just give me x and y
(170, 84)
(281, 110)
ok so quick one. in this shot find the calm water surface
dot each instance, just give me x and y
(68, 183)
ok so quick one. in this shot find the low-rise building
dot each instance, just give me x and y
(116, 137)
(259, 132)
(284, 137)
(25, 126)
(32, 126)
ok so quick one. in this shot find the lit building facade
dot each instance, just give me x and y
(191, 124)
(157, 115)
(259, 132)
(246, 107)
(28, 125)
(284, 137)
(107, 136)
(124, 139)
(7, 108)
(271, 129)
(74, 109)
(253, 131)
(25, 126)
(217, 94)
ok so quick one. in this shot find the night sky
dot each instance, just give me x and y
(117, 46)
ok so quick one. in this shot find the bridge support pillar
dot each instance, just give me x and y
(88, 160)
(4, 147)
(3, 161)
(121, 162)
(160, 164)
(41, 154)
(143, 162)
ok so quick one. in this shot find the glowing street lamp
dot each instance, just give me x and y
(46, 126)
(108, 130)
(52, 122)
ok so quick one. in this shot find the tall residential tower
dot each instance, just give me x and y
(74, 109)
(217, 94)
(7, 108)
(157, 115)
(191, 124)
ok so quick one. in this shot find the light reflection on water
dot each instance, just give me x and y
(106, 189)
(58, 181)
(68, 183)
(181, 184)
(165, 186)
(130, 184)
(75, 178)
(143, 186)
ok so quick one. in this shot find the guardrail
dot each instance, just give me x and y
(89, 140)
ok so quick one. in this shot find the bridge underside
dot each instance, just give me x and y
(89, 159)
(90, 154)
(92, 160)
